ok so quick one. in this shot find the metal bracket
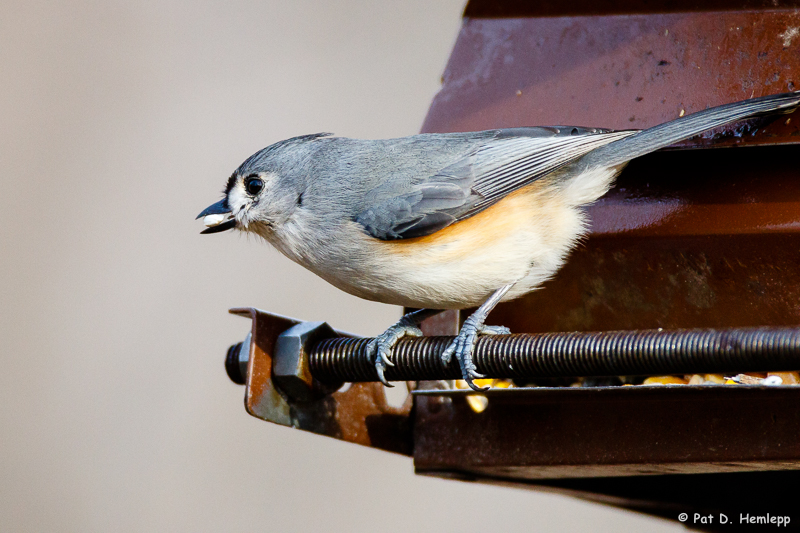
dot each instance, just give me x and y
(358, 413)
(602, 443)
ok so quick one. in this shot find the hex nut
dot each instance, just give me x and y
(290, 371)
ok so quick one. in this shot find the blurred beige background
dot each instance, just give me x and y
(120, 122)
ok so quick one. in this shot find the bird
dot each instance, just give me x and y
(441, 221)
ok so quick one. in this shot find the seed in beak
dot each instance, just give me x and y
(213, 220)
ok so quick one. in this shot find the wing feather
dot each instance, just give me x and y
(499, 165)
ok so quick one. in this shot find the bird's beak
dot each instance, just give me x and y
(219, 208)
(215, 215)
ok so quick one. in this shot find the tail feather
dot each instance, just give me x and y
(663, 135)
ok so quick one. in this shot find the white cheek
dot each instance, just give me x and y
(237, 201)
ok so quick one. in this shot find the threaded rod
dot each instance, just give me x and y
(609, 353)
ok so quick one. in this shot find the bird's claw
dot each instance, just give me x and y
(495, 330)
(464, 345)
(379, 349)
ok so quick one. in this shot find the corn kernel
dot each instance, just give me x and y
(664, 380)
(478, 402)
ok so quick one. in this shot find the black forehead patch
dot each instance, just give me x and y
(230, 184)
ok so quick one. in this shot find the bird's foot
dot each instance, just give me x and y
(464, 344)
(379, 349)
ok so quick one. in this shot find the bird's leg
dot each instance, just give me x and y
(380, 348)
(464, 343)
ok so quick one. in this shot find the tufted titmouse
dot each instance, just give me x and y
(443, 221)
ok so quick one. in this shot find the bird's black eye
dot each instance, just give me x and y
(253, 185)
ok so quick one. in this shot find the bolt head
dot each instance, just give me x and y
(290, 371)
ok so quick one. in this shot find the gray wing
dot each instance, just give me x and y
(501, 164)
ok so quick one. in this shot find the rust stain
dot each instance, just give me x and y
(359, 414)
